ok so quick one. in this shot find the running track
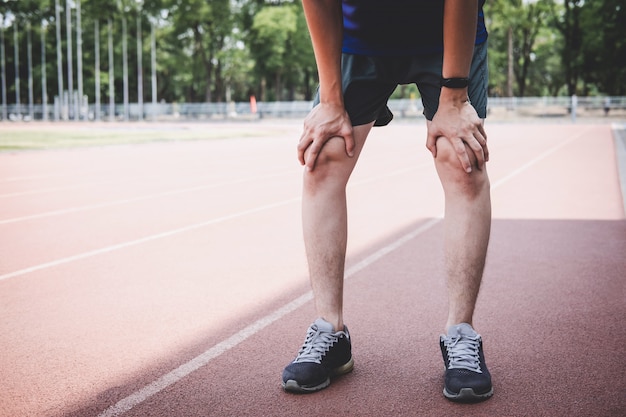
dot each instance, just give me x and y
(168, 279)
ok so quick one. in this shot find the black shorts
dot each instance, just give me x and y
(369, 81)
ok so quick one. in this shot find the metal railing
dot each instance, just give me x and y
(402, 108)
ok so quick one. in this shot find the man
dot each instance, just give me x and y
(363, 50)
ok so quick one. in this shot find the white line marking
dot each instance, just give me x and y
(145, 239)
(136, 199)
(155, 236)
(167, 193)
(535, 160)
(203, 359)
(92, 184)
(199, 361)
(64, 188)
(36, 177)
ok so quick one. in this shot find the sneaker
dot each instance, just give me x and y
(466, 376)
(324, 354)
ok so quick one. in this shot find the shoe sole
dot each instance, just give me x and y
(467, 395)
(293, 386)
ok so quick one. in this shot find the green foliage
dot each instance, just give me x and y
(281, 47)
(523, 26)
(220, 50)
(603, 46)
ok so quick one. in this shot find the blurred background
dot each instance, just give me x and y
(216, 59)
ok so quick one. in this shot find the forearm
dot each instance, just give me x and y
(459, 34)
(325, 22)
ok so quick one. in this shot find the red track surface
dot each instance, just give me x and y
(168, 279)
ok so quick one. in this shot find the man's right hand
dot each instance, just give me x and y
(325, 121)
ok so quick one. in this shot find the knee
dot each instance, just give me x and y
(332, 153)
(452, 175)
(332, 164)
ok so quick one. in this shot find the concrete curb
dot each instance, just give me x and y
(619, 134)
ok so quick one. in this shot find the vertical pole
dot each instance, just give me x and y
(44, 81)
(57, 23)
(79, 57)
(17, 70)
(70, 66)
(29, 60)
(97, 69)
(139, 67)
(509, 87)
(3, 70)
(153, 68)
(111, 79)
(125, 67)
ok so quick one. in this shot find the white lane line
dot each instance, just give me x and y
(199, 361)
(535, 160)
(146, 239)
(64, 188)
(203, 359)
(92, 184)
(136, 199)
(163, 234)
(45, 176)
(170, 193)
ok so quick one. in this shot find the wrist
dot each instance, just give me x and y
(455, 96)
(331, 94)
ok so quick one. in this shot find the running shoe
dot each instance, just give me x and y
(466, 378)
(324, 354)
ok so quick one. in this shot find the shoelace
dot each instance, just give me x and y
(315, 345)
(463, 353)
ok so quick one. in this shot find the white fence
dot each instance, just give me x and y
(403, 108)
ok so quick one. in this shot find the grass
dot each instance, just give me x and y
(51, 136)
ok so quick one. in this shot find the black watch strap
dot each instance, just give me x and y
(454, 82)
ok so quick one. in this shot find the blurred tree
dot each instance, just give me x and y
(514, 27)
(282, 50)
(603, 46)
(221, 50)
(199, 30)
(272, 29)
(567, 22)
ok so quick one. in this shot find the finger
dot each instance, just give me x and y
(311, 155)
(481, 129)
(302, 147)
(349, 140)
(477, 149)
(431, 144)
(483, 133)
(477, 144)
(461, 152)
(483, 143)
(486, 151)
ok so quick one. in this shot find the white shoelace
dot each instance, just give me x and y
(315, 345)
(463, 353)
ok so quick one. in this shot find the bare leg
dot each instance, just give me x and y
(324, 221)
(467, 229)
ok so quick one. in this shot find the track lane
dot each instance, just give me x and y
(146, 304)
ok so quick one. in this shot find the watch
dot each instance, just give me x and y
(454, 82)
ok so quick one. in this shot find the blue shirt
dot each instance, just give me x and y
(397, 27)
